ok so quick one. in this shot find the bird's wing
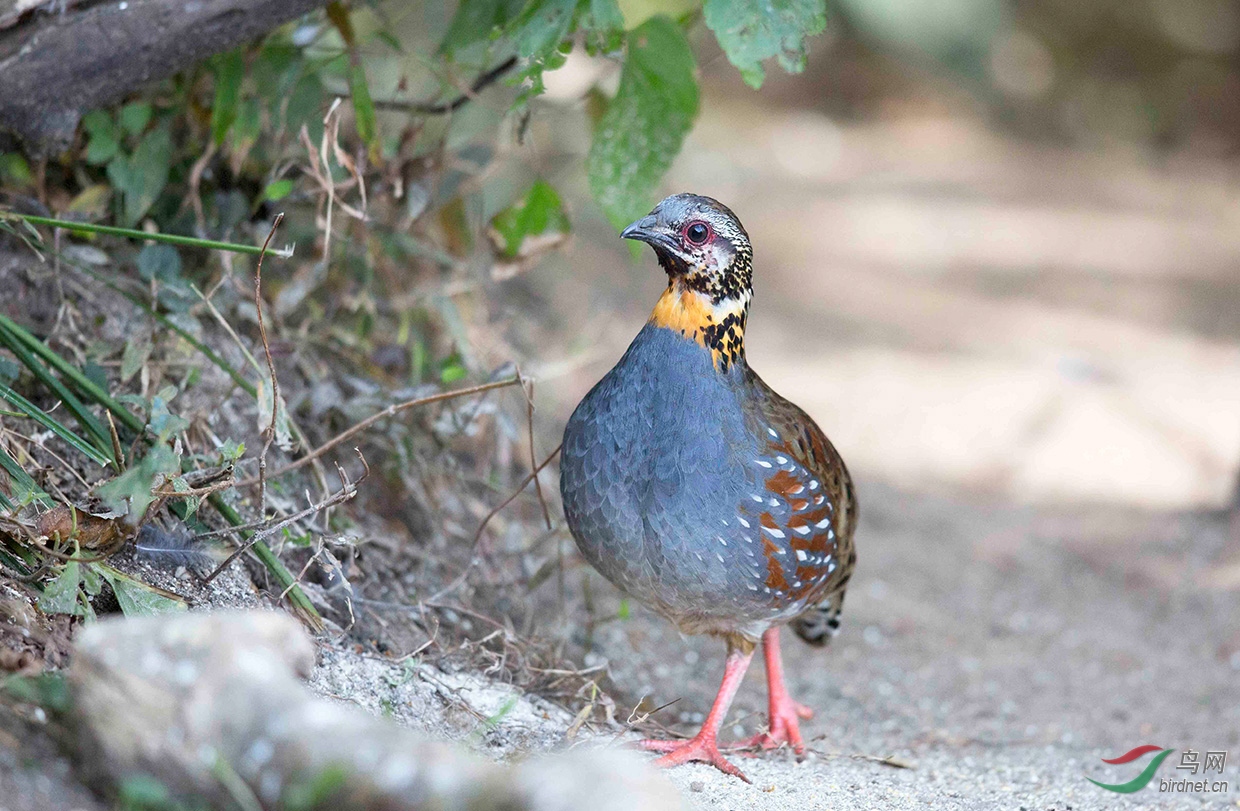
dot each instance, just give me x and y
(808, 530)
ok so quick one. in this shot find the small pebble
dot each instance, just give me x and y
(697, 785)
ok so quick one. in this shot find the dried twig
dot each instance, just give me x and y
(390, 411)
(270, 433)
(440, 108)
(460, 579)
(346, 492)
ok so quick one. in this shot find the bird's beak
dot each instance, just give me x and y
(647, 230)
(644, 230)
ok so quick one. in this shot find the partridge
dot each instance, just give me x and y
(692, 486)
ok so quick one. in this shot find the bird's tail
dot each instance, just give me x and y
(822, 622)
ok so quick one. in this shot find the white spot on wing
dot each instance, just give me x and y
(774, 532)
(801, 556)
(763, 462)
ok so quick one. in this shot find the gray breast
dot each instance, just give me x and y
(654, 472)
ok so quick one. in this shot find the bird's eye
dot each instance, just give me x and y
(697, 233)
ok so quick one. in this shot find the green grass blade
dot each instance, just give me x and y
(87, 420)
(22, 479)
(43, 418)
(168, 239)
(74, 375)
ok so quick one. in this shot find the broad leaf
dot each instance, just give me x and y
(61, 595)
(130, 492)
(141, 177)
(134, 117)
(539, 34)
(538, 213)
(478, 21)
(750, 31)
(229, 68)
(104, 141)
(136, 598)
(645, 124)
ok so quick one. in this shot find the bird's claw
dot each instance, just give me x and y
(702, 749)
(784, 729)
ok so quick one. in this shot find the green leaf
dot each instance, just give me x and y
(47, 690)
(130, 492)
(452, 371)
(363, 107)
(162, 263)
(645, 124)
(8, 371)
(229, 69)
(278, 190)
(603, 23)
(14, 170)
(135, 356)
(104, 139)
(136, 598)
(478, 21)
(538, 212)
(61, 595)
(134, 117)
(539, 34)
(142, 177)
(231, 451)
(750, 31)
(163, 422)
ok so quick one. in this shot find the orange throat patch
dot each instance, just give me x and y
(717, 327)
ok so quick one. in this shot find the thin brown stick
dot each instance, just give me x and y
(390, 411)
(270, 433)
(443, 107)
(460, 579)
(346, 492)
(529, 421)
(117, 454)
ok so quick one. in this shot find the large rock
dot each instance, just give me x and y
(211, 707)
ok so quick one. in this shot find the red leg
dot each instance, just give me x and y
(704, 746)
(784, 712)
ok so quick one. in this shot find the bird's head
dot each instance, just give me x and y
(705, 251)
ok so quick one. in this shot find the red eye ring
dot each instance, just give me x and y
(698, 233)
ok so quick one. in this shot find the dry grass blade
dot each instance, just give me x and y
(528, 388)
(269, 435)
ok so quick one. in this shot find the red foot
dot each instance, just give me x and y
(784, 728)
(702, 749)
